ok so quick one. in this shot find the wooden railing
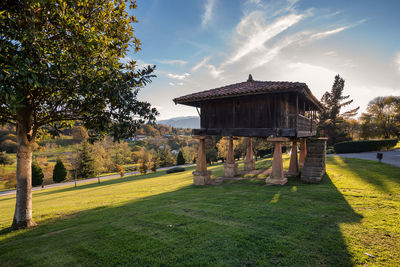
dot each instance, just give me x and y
(302, 124)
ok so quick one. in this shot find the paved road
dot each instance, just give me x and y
(389, 157)
(12, 192)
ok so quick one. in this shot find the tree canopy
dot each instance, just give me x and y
(62, 61)
(331, 118)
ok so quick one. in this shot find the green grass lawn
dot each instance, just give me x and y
(159, 219)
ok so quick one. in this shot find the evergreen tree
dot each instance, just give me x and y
(156, 163)
(180, 160)
(330, 119)
(166, 158)
(5, 159)
(86, 167)
(37, 174)
(59, 172)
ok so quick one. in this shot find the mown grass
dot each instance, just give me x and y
(160, 219)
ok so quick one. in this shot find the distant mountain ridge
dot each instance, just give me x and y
(191, 122)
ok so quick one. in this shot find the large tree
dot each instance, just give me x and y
(382, 118)
(61, 61)
(331, 118)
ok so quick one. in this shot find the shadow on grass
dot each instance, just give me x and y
(234, 224)
(377, 174)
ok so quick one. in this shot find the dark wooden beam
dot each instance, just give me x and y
(246, 132)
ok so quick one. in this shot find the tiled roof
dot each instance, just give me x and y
(250, 87)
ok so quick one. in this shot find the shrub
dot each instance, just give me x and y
(176, 169)
(364, 146)
(143, 167)
(120, 170)
(180, 160)
(9, 180)
(59, 172)
(9, 146)
(37, 174)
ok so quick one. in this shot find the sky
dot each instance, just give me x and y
(204, 44)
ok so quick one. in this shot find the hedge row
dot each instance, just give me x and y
(364, 146)
(176, 169)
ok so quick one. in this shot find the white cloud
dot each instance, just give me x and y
(256, 33)
(174, 62)
(208, 12)
(172, 84)
(331, 53)
(397, 61)
(200, 64)
(325, 34)
(179, 76)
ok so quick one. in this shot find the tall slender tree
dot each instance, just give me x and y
(331, 118)
(61, 61)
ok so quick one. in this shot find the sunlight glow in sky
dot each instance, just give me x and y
(204, 44)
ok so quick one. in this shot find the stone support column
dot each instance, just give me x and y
(303, 152)
(230, 167)
(294, 164)
(277, 176)
(249, 162)
(201, 176)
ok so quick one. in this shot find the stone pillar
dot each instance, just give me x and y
(314, 166)
(201, 176)
(294, 164)
(230, 167)
(277, 176)
(249, 162)
(303, 152)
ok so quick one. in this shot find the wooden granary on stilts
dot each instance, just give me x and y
(278, 111)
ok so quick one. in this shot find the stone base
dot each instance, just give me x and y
(201, 178)
(292, 174)
(270, 181)
(230, 169)
(249, 165)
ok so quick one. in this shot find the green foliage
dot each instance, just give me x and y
(175, 169)
(156, 164)
(143, 167)
(9, 146)
(59, 172)
(180, 160)
(364, 146)
(79, 134)
(166, 158)
(67, 66)
(211, 155)
(382, 118)
(37, 174)
(86, 167)
(331, 119)
(5, 159)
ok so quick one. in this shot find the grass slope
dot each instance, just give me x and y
(160, 219)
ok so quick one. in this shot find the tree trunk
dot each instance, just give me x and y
(23, 205)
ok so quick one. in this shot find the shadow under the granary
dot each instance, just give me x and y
(238, 223)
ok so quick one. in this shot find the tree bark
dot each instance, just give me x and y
(25, 138)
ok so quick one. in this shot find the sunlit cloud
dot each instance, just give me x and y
(397, 61)
(208, 12)
(173, 62)
(200, 64)
(178, 76)
(325, 34)
(257, 33)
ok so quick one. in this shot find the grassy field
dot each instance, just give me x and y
(351, 218)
